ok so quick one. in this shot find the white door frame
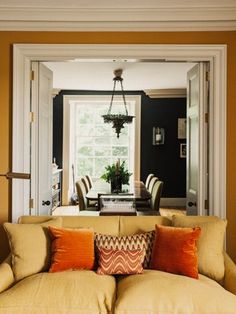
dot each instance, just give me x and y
(23, 54)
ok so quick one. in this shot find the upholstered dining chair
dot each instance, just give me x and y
(81, 191)
(147, 203)
(156, 195)
(154, 203)
(89, 180)
(151, 184)
(86, 184)
(148, 179)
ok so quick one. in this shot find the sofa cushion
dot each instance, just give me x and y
(139, 224)
(70, 292)
(119, 262)
(175, 250)
(30, 247)
(159, 292)
(101, 224)
(142, 241)
(71, 249)
(6, 274)
(210, 243)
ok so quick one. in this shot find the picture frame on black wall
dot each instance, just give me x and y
(183, 150)
(182, 128)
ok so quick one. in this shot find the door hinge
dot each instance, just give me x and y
(206, 117)
(207, 76)
(32, 75)
(31, 116)
(31, 203)
(206, 205)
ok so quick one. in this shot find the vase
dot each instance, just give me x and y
(116, 184)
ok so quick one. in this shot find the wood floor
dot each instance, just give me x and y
(74, 211)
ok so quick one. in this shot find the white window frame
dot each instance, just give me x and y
(23, 54)
(68, 127)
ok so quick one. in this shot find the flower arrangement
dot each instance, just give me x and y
(116, 174)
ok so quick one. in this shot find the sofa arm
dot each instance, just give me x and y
(230, 274)
(6, 275)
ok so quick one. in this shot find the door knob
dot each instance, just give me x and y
(46, 203)
(190, 204)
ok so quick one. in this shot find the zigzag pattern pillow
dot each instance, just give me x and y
(142, 241)
(119, 262)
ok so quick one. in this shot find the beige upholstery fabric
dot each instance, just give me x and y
(230, 274)
(105, 225)
(85, 292)
(209, 245)
(6, 274)
(30, 247)
(131, 225)
(72, 292)
(156, 292)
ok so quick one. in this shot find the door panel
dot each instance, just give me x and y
(193, 102)
(45, 140)
(42, 137)
(197, 136)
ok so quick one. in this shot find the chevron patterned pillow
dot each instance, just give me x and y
(120, 262)
(142, 241)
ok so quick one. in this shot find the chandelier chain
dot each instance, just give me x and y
(123, 95)
(112, 97)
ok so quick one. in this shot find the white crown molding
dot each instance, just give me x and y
(118, 19)
(166, 93)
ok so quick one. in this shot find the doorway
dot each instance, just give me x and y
(24, 54)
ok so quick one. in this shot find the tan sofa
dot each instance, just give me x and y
(152, 292)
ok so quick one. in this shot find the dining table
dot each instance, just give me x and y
(122, 203)
(136, 190)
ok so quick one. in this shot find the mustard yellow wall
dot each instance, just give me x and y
(7, 39)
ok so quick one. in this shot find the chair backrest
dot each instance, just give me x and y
(90, 182)
(149, 177)
(156, 195)
(81, 191)
(151, 184)
(86, 184)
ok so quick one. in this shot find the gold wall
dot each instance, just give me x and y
(7, 39)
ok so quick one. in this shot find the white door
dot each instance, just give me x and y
(197, 130)
(41, 170)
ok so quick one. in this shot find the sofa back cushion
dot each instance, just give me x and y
(103, 224)
(30, 246)
(139, 224)
(210, 244)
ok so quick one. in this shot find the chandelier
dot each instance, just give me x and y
(118, 120)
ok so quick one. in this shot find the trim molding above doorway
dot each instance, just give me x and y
(214, 54)
(170, 16)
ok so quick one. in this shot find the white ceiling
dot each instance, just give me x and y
(98, 75)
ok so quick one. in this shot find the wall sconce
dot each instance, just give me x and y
(158, 136)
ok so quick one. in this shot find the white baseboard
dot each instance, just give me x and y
(165, 201)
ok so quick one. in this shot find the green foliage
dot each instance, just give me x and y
(116, 169)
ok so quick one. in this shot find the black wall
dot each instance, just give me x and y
(162, 160)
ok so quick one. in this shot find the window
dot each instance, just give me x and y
(92, 144)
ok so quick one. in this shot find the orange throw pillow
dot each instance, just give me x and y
(175, 250)
(71, 249)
